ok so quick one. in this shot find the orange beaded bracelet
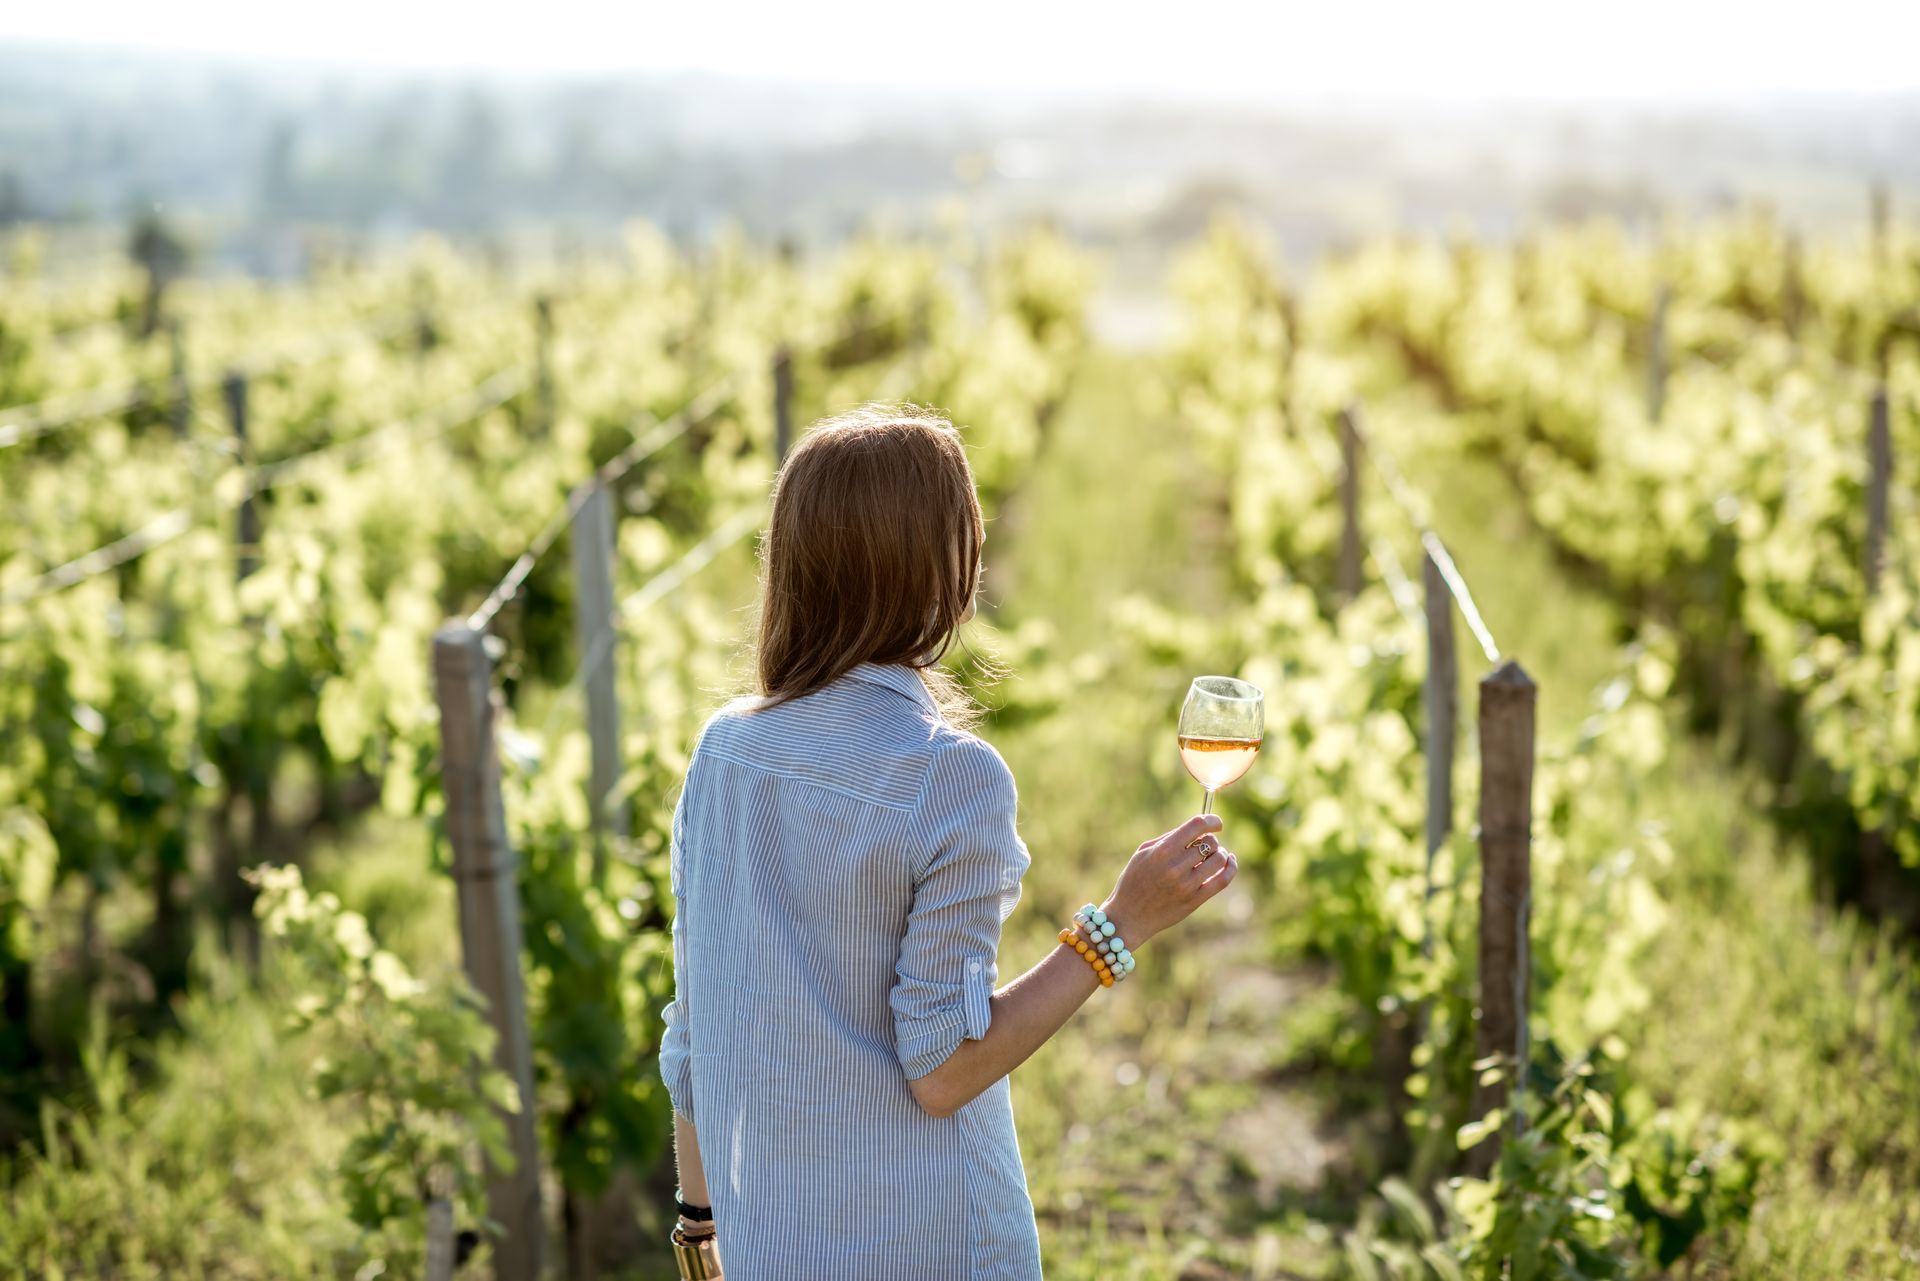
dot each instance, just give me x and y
(1072, 938)
(1104, 946)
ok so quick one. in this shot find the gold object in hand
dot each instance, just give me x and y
(698, 1257)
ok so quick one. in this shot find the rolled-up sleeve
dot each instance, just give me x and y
(966, 888)
(676, 1049)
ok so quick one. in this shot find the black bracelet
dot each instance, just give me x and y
(692, 1213)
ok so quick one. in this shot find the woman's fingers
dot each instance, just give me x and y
(1171, 875)
(1219, 874)
(1194, 828)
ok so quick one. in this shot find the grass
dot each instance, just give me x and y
(210, 1162)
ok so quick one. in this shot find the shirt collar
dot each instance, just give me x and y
(897, 677)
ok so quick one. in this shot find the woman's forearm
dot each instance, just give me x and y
(1026, 1013)
(1163, 883)
(686, 1155)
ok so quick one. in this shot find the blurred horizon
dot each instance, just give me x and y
(1219, 50)
(256, 141)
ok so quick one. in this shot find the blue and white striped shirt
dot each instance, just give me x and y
(842, 865)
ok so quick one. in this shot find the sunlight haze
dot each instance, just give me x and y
(1485, 49)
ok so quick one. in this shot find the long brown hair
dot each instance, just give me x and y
(872, 555)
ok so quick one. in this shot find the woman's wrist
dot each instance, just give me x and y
(695, 1217)
(1131, 923)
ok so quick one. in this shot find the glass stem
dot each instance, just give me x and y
(1206, 806)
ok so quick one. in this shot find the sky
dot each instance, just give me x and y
(1465, 50)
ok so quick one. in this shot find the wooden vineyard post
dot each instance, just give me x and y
(425, 336)
(180, 412)
(1874, 854)
(247, 532)
(485, 873)
(440, 1240)
(1880, 213)
(1507, 696)
(1349, 569)
(706, 273)
(162, 255)
(238, 895)
(1879, 479)
(1441, 699)
(1290, 322)
(593, 645)
(1793, 300)
(782, 404)
(1657, 354)
(543, 360)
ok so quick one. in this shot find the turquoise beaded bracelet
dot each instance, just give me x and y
(1104, 935)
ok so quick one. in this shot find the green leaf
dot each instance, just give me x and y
(1475, 1132)
(28, 861)
(1412, 1210)
(1442, 1261)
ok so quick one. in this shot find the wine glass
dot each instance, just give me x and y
(1221, 725)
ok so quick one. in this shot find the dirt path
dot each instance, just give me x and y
(1166, 1132)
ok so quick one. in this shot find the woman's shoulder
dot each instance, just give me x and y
(971, 802)
(964, 761)
(902, 752)
(717, 724)
(739, 705)
(966, 744)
